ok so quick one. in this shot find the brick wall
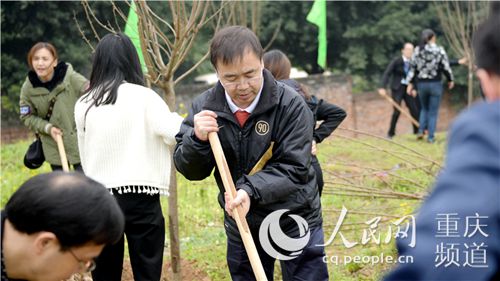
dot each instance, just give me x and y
(365, 111)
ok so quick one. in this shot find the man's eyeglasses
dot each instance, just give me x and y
(85, 266)
(232, 85)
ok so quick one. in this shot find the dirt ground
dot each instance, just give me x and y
(373, 115)
(189, 271)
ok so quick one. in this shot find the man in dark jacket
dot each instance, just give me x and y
(397, 69)
(255, 115)
(458, 227)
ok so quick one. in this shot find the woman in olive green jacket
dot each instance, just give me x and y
(48, 79)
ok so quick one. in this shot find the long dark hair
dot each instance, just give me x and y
(115, 60)
(425, 37)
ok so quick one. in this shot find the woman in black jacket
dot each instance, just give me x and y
(279, 65)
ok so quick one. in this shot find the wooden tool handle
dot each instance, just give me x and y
(238, 215)
(405, 113)
(62, 153)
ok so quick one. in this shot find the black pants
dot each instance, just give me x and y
(412, 103)
(309, 265)
(319, 174)
(77, 167)
(145, 232)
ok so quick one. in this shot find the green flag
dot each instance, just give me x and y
(317, 16)
(131, 30)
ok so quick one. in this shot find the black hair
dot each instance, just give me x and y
(115, 60)
(425, 37)
(487, 42)
(77, 209)
(231, 43)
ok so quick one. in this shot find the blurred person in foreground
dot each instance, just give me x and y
(458, 226)
(55, 225)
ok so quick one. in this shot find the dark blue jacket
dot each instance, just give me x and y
(469, 185)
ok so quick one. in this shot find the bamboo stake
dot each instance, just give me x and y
(238, 216)
(62, 153)
(405, 113)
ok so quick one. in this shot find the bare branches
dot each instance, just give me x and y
(275, 34)
(459, 20)
(84, 37)
(189, 71)
(405, 147)
(86, 7)
(404, 175)
(89, 10)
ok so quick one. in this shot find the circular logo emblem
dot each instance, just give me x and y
(262, 128)
(270, 230)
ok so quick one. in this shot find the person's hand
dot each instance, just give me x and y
(313, 148)
(409, 89)
(382, 91)
(241, 198)
(54, 131)
(413, 93)
(463, 61)
(451, 84)
(205, 122)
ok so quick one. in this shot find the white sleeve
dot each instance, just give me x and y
(162, 121)
(80, 109)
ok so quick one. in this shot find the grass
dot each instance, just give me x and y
(356, 172)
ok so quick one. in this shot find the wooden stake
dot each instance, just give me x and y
(238, 216)
(62, 153)
(405, 113)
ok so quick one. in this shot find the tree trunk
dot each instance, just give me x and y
(169, 93)
(173, 226)
(173, 214)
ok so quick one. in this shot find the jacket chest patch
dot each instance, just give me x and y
(262, 128)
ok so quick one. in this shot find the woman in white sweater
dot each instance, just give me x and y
(125, 131)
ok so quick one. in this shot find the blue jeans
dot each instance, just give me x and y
(430, 97)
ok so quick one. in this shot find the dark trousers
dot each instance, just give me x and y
(412, 103)
(145, 232)
(309, 265)
(77, 167)
(319, 174)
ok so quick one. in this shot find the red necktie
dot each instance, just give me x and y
(241, 116)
